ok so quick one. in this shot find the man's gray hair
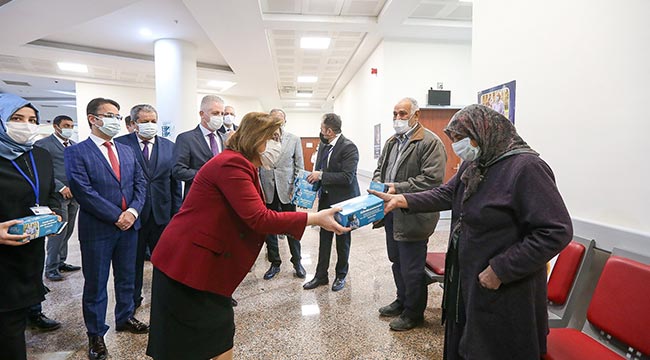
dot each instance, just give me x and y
(136, 110)
(414, 104)
(209, 99)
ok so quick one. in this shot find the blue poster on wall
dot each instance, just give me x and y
(500, 98)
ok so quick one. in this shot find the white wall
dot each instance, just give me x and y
(304, 123)
(582, 77)
(404, 69)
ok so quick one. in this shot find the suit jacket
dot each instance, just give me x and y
(190, 153)
(55, 148)
(339, 180)
(164, 193)
(213, 241)
(282, 175)
(98, 191)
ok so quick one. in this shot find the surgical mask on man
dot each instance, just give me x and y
(22, 132)
(111, 126)
(228, 120)
(401, 126)
(465, 150)
(147, 130)
(215, 122)
(66, 133)
(271, 154)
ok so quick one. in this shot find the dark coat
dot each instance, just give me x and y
(339, 181)
(515, 222)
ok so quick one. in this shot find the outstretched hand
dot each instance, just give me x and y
(391, 202)
(325, 219)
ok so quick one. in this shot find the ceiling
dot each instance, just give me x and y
(254, 43)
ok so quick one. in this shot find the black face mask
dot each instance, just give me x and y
(323, 139)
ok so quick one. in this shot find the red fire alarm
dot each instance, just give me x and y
(373, 71)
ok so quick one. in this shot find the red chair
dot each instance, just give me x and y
(618, 318)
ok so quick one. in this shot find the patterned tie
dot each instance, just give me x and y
(116, 167)
(322, 164)
(66, 143)
(213, 144)
(145, 150)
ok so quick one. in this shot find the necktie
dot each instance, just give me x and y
(145, 150)
(66, 143)
(213, 144)
(325, 151)
(116, 167)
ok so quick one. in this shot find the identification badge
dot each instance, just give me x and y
(41, 210)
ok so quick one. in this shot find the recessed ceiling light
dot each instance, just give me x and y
(304, 94)
(307, 79)
(81, 68)
(221, 85)
(145, 32)
(302, 104)
(315, 42)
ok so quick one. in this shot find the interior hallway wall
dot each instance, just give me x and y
(582, 78)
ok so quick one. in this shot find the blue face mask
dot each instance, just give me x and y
(465, 150)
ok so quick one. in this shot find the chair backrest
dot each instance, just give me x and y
(620, 306)
(567, 279)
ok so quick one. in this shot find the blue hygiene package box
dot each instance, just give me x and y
(377, 186)
(360, 211)
(304, 193)
(37, 226)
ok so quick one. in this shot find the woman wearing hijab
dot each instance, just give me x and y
(508, 221)
(26, 180)
(212, 242)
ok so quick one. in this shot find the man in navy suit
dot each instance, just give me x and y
(195, 147)
(110, 188)
(164, 193)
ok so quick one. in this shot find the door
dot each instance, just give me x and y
(436, 120)
(309, 147)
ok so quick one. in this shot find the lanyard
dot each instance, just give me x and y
(35, 186)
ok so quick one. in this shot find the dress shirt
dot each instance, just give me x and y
(150, 145)
(207, 132)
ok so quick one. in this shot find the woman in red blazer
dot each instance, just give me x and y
(209, 246)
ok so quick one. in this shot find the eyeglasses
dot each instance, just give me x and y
(117, 117)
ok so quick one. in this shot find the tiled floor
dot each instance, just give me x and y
(276, 319)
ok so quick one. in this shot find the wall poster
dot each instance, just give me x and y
(500, 98)
(377, 140)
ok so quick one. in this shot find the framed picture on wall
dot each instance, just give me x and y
(500, 98)
(377, 141)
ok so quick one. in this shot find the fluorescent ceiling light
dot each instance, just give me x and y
(69, 105)
(307, 79)
(302, 104)
(315, 42)
(304, 94)
(145, 32)
(70, 93)
(81, 68)
(221, 85)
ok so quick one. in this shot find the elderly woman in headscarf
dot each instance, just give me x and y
(508, 221)
(26, 181)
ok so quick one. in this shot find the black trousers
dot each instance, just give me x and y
(12, 334)
(272, 240)
(147, 236)
(409, 259)
(325, 248)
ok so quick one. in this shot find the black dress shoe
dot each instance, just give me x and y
(234, 302)
(403, 323)
(338, 284)
(271, 272)
(300, 271)
(69, 268)
(314, 283)
(134, 326)
(393, 309)
(53, 275)
(96, 348)
(42, 323)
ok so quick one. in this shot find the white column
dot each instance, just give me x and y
(176, 102)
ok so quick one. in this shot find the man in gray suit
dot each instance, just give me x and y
(277, 184)
(57, 245)
(195, 147)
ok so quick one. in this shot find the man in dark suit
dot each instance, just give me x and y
(195, 147)
(108, 183)
(229, 117)
(164, 193)
(57, 245)
(336, 169)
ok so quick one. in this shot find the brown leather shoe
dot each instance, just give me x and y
(134, 326)
(96, 348)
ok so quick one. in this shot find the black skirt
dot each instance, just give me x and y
(187, 323)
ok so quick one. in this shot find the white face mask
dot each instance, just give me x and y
(22, 133)
(401, 126)
(271, 154)
(215, 123)
(228, 120)
(66, 133)
(111, 126)
(147, 130)
(465, 150)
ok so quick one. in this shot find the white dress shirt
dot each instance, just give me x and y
(207, 132)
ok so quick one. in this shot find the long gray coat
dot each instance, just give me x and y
(516, 222)
(421, 167)
(285, 170)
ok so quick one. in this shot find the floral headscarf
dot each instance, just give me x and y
(496, 137)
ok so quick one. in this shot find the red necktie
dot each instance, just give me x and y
(116, 167)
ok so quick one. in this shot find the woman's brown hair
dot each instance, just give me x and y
(255, 128)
